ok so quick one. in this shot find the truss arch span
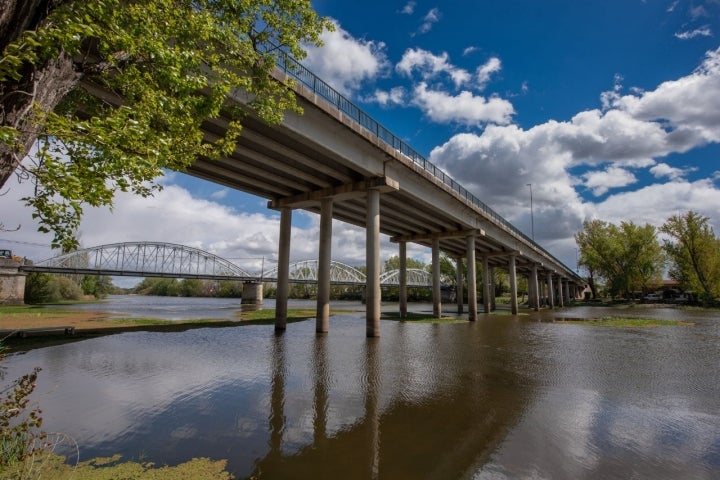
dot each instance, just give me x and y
(146, 259)
(306, 271)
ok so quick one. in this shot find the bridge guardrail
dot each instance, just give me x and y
(318, 86)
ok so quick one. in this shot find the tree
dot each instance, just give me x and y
(694, 254)
(115, 91)
(628, 257)
(593, 243)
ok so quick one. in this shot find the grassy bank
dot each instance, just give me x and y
(623, 322)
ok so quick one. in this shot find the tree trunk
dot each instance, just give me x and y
(43, 85)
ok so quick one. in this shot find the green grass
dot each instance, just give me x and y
(415, 317)
(624, 322)
(33, 312)
(50, 465)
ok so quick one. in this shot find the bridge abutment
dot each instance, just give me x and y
(12, 283)
(252, 293)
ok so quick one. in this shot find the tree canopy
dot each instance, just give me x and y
(627, 257)
(100, 96)
(694, 254)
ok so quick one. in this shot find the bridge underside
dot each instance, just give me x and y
(336, 161)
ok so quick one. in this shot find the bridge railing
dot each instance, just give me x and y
(319, 87)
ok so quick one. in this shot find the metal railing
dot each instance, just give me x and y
(319, 87)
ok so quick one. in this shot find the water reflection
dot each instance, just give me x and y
(503, 397)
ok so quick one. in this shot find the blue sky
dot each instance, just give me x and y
(609, 109)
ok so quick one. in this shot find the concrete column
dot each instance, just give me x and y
(471, 279)
(322, 323)
(566, 290)
(372, 258)
(403, 280)
(459, 285)
(513, 286)
(12, 282)
(252, 293)
(551, 291)
(283, 271)
(486, 284)
(535, 288)
(560, 289)
(436, 294)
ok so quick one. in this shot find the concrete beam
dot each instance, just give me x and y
(437, 235)
(339, 193)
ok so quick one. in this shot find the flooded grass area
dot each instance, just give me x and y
(623, 322)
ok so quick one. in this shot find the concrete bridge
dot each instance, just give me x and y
(337, 161)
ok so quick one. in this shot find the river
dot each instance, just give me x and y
(503, 397)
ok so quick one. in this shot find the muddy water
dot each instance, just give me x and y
(503, 397)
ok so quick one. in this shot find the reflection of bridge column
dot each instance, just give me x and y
(486, 284)
(471, 278)
(459, 284)
(403, 280)
(277, 397)
(535, 288)
(550, 290)
(513, 286)
(372, 256)
(320, 400)
(283, 269)
(322, 323)
(436, 294)
(372, 407)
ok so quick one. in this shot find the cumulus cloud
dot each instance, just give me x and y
(429, 65)
(484, 72)
(394, 96)
(600, 182)
(346, 62)
(663, 170)
(610, 146)
(464, 108)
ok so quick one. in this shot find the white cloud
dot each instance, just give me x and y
(464, 108)
(600, 182)
(469, 50)
(687, 109)
(698, 32)
(663, 170)
(493, 65)
(395, 95)
(431, 18)
(346, 62)
(219, 194)
(631, 132)
(430, 65)
(409, 8)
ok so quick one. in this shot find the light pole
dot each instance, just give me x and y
(532, 218)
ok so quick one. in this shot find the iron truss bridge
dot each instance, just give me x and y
(169, 260)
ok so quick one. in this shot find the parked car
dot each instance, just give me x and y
(653, 297)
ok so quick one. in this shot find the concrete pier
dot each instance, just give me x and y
(12, 282)
(252, 293)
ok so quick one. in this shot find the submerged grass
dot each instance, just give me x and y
(50, 465)
(623, 322)
(416, 317)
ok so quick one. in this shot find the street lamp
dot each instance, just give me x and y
(532, 218)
